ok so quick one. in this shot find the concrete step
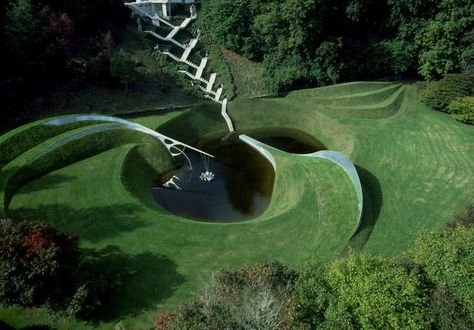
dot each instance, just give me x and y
(218, 94)
(173, 32)
(201, 68)
(211, 82)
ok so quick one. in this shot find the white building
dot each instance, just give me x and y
(158, 7)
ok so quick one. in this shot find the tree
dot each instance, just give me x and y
(253, 297)
(447, 257)
(37, 264)
(62, 26)
(313, 295)
(122, 67)
(467, 56)
(327, 64)
(40, 266)
(23, 29)
(442, 38)
(379, 293)
(231, 23)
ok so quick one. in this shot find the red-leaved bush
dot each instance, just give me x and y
(41, 266)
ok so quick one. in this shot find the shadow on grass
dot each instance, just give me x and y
(373, 200)
(51, 181)
(6, 326)
(187, 128)
(139, 282)
(91, 224)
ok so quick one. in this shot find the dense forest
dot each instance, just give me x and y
(45, 42)
(314, 42)
(299, 43)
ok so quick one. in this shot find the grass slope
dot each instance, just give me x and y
(416, 167)
(162, 259)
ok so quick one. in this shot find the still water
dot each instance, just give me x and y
(243, 179)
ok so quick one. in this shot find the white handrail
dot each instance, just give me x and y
(208, 92)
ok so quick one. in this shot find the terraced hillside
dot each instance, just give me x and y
(364, 99)
(416, 168)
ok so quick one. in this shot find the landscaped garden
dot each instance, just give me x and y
(268, 214)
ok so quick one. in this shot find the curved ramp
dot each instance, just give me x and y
(335, 157)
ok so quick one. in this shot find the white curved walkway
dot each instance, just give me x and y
(336, 157)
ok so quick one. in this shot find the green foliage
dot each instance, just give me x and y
(467, 56)
(217, 64)
(122, 67)
(235, 31)
(379, 293)
(462, 109)
(312, 41)
(278, 35)
(98, 69)
(282, 75)
(89, 296)
(442, 38)
(447, 257)
(40, 266)
(465, 218)
(37, 264)
(23, 28)
(439, 94)
(448, 312)
(31, 49)
(328, 64)
(355, 292)
(284, 29)
(254, 297)
(315, 299)
(46, 43)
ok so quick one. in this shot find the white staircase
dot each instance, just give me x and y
(144, 10)
(201, 68)
(211, 82)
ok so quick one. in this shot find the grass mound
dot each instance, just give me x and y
(416, 168)
(363, 99)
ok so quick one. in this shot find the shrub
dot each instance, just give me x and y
(253, 297)
(97, 69)
(88, 297)
(448, 312)
(313, 295)
(378, 293)
(161, 323)
(447, 257)
(41, 267)
(36, 264)
(286, 73)
(438, 94)
(328, 64)
(462, 109)
(122, 67)
(465, 218)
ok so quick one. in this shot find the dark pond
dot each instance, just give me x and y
(243, 179)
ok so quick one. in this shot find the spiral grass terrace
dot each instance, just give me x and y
(416, 167)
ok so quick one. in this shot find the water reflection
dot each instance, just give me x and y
(243, 183)
(236, 193)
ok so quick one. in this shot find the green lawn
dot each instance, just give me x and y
(416, 168)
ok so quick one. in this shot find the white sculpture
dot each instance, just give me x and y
(207, 176)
